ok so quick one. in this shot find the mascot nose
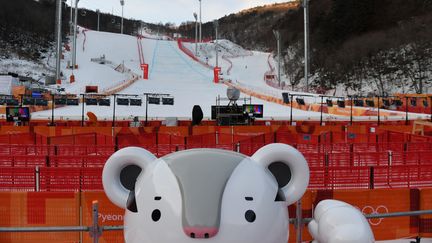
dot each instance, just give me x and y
(201, 232)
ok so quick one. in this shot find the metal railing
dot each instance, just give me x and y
(97, 230)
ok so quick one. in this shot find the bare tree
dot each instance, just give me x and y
(293, 63)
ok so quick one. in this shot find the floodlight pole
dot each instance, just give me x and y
(122, 4)
(146, 95)
(216, 25)
(82, 114)
(351, 116)
(321, 118)
(75, 36)
(306, 40)
(200, 24)
(98, 19)
(196, 33)
(52, 109)
(291, 112)
(430, 105)
(59, 39)
(379, 119)
(114, 110)
(406, 110)
(278, 39)
(71, 19)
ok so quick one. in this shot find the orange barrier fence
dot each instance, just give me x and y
(109, 215)
(377, 201)
(88, 177)
(222, 135)
(334, 155)
(39, 209)
(425, 221)
(25, 209)
(376, 163)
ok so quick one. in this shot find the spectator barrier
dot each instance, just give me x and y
(83, 175)
(25, 209)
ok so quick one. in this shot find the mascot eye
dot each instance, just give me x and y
(156, 215)
(250, 216)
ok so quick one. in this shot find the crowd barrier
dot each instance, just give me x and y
(317, 156)
(339, 157)
(209, 135)
(305, 138)
(39, 209)
(26, 209)
(89, 178)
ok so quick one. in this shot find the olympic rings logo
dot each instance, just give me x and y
(379, 210)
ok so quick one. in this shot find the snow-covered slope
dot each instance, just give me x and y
(92, 44)
(171, 72)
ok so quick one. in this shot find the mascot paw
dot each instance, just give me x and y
(338, 222)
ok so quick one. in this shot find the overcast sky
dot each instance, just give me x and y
(173, 11)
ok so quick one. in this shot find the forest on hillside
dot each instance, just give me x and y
(386, 44)
(374, 46)
(377, 45)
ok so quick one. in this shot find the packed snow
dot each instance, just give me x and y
(171, 72)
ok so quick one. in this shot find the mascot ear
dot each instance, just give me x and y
(288, 166)
(116, 176)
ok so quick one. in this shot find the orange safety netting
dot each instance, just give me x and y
(24, 209)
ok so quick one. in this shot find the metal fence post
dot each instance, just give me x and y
(95, 230)
(299, 221)
(37, 179)
(326, 168)
(390, 158)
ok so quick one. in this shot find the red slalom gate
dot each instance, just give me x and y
(217, 71)
(145, 68)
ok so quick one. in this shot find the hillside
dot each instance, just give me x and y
(27, 33)
(357, 47)
(350, 41)
(251, 28)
